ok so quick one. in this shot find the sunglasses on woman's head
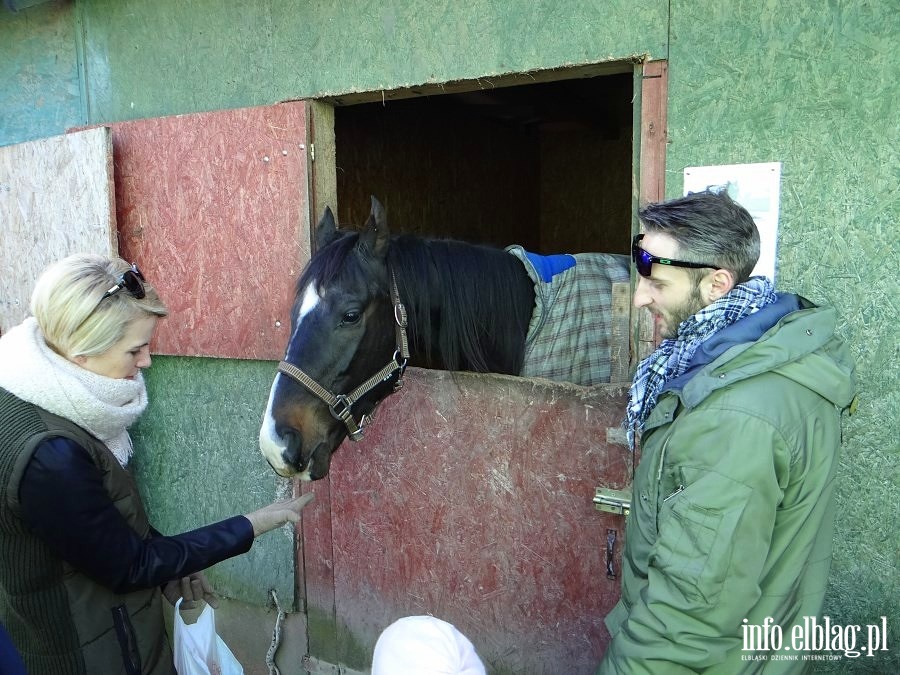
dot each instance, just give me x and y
(131, 280)
(644, 260)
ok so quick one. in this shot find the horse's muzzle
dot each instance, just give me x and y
(293, 450)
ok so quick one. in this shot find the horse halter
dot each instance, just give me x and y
(340, 404)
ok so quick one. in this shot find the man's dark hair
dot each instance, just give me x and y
(709, 227)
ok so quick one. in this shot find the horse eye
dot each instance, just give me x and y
(351, 317)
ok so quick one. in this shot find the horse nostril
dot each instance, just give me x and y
(293, 452)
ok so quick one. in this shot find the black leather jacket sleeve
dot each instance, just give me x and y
(63, 501)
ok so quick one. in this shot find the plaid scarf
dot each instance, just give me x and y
(673, 356)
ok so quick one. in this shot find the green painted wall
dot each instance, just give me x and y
(40, 88)
(198, 461)
(269, 50)
(146, 59)
(813, 85)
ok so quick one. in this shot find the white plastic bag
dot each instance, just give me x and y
(199, 650)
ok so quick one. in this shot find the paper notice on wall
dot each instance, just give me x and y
(756, 187)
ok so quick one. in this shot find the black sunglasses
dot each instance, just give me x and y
(644, 261)
(131, 280)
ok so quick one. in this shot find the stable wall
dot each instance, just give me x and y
(811, 85)
(112, 60)
(815, 87)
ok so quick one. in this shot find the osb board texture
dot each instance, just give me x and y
(815, 87)
(56, 198)
(197, 461)
(40, 91)
(213, 206)
(150, 59)
(470, 499)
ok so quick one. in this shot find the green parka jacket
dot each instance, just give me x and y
(732, 508)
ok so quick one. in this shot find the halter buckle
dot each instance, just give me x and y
(341, 413)
(400, 361)
(400, 314)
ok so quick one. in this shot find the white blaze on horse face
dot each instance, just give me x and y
(271, 445)
(310, 301)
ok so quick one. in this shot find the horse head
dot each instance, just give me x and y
(341, 332)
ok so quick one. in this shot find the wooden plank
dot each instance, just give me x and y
(323, 175)
(315, 573)
(214, 208)
(619, 343)
(647, 338)
(654, 132)
(654, 139)
(471, 499)
(56, 198)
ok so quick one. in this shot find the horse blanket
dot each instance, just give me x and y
(568, 335)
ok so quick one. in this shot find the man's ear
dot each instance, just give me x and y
(716, 284)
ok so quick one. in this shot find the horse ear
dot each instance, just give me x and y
(326, 230)
(375, 235)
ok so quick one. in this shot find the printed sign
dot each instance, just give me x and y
(756, 187)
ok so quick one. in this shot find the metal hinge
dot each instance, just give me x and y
(312, 152)
(613, 501)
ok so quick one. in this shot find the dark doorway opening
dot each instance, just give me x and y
(546, 165)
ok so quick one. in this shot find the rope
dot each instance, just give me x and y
(276, 637)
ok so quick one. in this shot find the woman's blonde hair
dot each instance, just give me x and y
(73, 315)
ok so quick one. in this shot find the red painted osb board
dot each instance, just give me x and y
(471, 499)
(213, 208)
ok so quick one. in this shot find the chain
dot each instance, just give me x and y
(276, 637)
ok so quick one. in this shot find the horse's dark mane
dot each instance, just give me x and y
(469, 305)
(467, 300)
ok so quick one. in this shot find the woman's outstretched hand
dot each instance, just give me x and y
(275, 515)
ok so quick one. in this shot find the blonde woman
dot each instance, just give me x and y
(81, 567)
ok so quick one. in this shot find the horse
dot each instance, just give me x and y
(368, 297)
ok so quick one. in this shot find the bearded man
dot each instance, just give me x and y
(738, 418)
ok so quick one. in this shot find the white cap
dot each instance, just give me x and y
(424, 645)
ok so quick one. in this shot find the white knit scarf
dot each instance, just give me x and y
(104, 406)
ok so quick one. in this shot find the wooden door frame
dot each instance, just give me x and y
(652, 83)
(648, 181)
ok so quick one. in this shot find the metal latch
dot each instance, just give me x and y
(613, 501)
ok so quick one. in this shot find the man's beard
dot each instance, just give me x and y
(693, 304)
